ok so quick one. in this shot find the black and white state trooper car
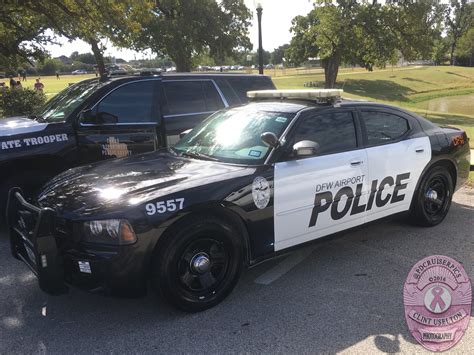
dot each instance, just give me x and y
(247, 183)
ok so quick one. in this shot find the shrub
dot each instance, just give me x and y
(20, 101)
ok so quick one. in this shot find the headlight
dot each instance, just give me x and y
(109, 231)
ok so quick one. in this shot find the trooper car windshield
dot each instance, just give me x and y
(233, 136)
(64, 103)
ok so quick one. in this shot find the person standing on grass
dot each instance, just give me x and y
(12, 82)
(39, 85)
(57, 75)
(23, 75)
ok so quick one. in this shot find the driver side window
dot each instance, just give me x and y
(334, 132)
(131, 103)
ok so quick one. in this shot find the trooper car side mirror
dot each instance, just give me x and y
(87, 116)
(270, 139)
(182, 134)
(305, 148)
(106, 118)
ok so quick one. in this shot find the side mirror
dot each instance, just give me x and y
(87, 116)
(270, 139)
(306, 148)
(104, 118)
(182, 134)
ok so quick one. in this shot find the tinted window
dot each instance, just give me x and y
(335, 132)
(130, 103)
(384, 127)
(184, 97)
(244, 84)
(213, 99)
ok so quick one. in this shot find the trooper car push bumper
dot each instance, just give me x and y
(32, 240)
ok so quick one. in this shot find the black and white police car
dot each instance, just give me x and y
(244, 185)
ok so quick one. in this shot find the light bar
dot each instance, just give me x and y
(296, 94)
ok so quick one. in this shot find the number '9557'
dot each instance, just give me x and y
(164, 206)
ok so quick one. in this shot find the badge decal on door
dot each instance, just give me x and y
(114, 148)
(261, 192)
(350, 200)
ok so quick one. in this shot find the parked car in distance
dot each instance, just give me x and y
(94, 120)
(79, 72)
(243, 186)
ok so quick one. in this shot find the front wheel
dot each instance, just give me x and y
(198, 264)
(433, 198)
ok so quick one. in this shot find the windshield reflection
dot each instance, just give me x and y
(64, 103)
(234, 136)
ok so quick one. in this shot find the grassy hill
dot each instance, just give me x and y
(443, 94)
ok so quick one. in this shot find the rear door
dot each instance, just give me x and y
(325, 193)
(188, 102)
(396, 159)
(126, 122)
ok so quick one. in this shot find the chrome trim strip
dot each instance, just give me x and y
(190, 114)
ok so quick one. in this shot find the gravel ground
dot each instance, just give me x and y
(343, 295)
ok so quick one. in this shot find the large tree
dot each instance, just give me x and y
(363, 33)
(183, 29)
(459, 19)
(88, 20)
(22, 35)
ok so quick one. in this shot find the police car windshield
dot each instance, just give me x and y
(64, 103)
(233, 136)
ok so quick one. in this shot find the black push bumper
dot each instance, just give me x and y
(32, 240)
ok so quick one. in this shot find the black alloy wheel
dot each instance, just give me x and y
(198, 264)
(433, 197)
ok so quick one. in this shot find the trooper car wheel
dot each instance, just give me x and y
(433, 197)
(199, 264)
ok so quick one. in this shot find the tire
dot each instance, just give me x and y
(433, 197)
(198, 264)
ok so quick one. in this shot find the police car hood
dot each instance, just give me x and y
(122, 183)
(19, 125)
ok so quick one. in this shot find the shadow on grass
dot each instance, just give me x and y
(449, 119)
(417, 80)
(457, 74)
(377, 89)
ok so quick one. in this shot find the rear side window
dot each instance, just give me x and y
(383, 127)
(186, 97)
(131, 103)
(334, 132)
(244, 84)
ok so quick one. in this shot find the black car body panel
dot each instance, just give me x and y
(275, 205)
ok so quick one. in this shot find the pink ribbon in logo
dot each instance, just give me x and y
(437, 300)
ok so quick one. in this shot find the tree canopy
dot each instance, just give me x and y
(182, 29)
(362, 33)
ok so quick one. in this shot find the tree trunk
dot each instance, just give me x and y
(331, 68)
(453, 59)
(99, 57)
(183, 62)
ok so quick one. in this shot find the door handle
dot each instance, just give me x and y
(419, 150)
(356, 162)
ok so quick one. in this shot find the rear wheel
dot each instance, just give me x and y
(433, 198)
(199, 263)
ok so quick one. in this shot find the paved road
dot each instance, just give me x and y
(343, 295)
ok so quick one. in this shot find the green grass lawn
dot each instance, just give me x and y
(427, 91)
(52, 85)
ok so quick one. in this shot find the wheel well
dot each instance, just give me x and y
(214, 211)
(451, 168)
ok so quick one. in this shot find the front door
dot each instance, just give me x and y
(325, 193)
(126, 122)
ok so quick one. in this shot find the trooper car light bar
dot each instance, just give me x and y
(318, 95)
